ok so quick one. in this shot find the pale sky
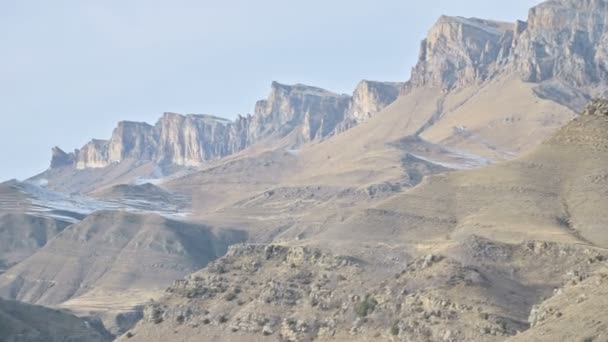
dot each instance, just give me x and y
(69, 70)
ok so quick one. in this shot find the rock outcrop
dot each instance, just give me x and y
(460, 51)
(311, 113)
(563, 41)
(131, 139)
(191, 139)
(92, 155)
(61, 158)
(292, 114)
(368, 99)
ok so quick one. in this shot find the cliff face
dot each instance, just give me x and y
(298, 114)
(189, 140)
(563, 41)
(131, 139)
(312, 113)
(368, 99)
(92, 155)
(460, 51)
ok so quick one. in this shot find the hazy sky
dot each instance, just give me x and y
(69, 70)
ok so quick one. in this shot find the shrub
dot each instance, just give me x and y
(395, 329)
(366, 307)
(230, 296)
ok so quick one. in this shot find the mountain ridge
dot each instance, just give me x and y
(311, 113)
(458, 55)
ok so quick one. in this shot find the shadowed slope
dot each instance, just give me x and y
(20, 322)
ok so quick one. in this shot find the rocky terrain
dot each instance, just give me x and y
(466, 204)
(473, 292)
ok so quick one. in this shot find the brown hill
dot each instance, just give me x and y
(113, 261)
(20, 322)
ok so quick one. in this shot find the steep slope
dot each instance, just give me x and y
(20, 322)
(459, 52)
(579, 305)
(564, 40)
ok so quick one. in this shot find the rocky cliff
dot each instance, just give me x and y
(295, 114)
(460, 51)
(312, 113)
(563, 41)
(368, 99)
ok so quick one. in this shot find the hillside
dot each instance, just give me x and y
(478, 247)
(113, 261)
(21, 322)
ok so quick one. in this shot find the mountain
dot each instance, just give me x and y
(20, 322)
(457, 206)
(490, 89)
(467, 255)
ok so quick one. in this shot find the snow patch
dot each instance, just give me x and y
(458, 160)
(48, 203)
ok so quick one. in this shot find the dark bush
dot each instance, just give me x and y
(366, 306)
